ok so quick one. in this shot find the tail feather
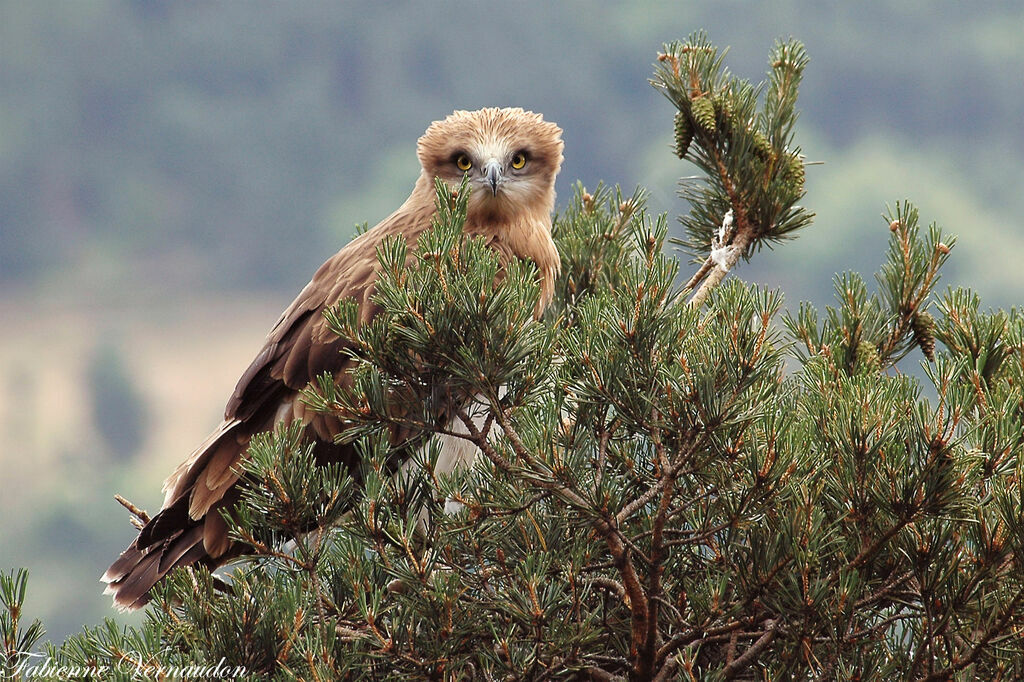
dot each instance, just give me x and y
(177, 549)
(228, 438)
(135, 572)
(131, 590)
(189, 528)
(124, 565)
(169, 521)
(175, 536)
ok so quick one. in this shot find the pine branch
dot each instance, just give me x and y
(696, 636)
(657, 554)
(668, 671)
(1008, 614)
(621, 555)
(532, 466)
(139, 516)
(756, 649)
(701, 273)
(742, 241)
(599, 675)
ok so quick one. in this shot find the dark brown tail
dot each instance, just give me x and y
(178, 535)
(190, 529)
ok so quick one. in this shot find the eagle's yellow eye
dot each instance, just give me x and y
(463, 162)
(519, 160)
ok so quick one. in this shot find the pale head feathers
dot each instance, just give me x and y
(491, 132)
(511, 157)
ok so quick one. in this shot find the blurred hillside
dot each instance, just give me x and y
(172, 173)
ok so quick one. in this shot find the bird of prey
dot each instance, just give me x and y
(511, 157)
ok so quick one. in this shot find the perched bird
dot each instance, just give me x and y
(511, 157)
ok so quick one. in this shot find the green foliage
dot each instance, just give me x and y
(662, 490)
(287, 493)
(17, 641)
(595, 241)
(877, 331)
(745, 152)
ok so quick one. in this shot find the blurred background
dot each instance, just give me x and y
(172, 173)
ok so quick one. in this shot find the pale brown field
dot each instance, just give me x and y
(57, 475)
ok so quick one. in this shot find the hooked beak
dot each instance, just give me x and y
(492, 173)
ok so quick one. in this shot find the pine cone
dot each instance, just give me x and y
(723, 109)
(703, 113)
(794, 175)
(684, 133)
(867, 357)
(761, 147)
(924, 333)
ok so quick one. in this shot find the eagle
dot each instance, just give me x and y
(510, 158)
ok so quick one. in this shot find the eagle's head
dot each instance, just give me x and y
(510, 155)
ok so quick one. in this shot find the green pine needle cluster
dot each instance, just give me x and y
(14, 637)
(740, 136)
(662, 490)
(880, 329)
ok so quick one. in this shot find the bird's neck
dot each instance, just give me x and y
(514, 230)
(522, 233)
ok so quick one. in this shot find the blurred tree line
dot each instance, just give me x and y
(222, 144)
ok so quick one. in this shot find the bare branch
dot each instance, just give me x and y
(701, 273)
(599, 675)
(744, 236)
(139, 516)
(755, 650)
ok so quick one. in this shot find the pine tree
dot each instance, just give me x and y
(676, 481)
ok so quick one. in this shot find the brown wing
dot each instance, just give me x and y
(300, 347)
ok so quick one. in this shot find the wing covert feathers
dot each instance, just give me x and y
(300, 346)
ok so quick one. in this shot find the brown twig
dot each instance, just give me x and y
(744, 236)
(602, 457)
(755, 650)
(698, 276)
(697, 634)
(997, 626)
(481, 442)
(883, 591)
(606, 527)
(139, 516)
(668, 671)
(670, 472)
(610, 585)
(600, 675)
(870, 551)
(657, 552)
